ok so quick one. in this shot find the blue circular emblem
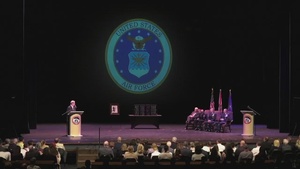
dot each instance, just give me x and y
(138, 56)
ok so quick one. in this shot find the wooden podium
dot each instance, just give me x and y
(74, 123)
(248, 122)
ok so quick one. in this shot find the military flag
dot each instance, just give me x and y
(212, 100)
(220, 107)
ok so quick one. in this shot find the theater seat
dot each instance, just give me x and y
(190, 125)
(227, 126)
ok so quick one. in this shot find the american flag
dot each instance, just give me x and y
(212, 100)
(220, 107)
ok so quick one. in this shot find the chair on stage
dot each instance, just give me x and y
(190, 125)
(227, 126)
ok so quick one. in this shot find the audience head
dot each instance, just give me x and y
(106, 144)
(266, 139)
(140, 148)
(119, 139)
(56, 140)
(166, 148)
(130, 149)
(276, 143)
(169, 143)
(198, 149)
(285, 141)
(174, 139)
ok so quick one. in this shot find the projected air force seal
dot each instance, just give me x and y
(138, 56)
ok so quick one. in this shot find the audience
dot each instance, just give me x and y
(193, 150)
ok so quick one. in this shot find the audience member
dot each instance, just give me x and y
(186, 152)
(245, 155)
(240, 148)
(198, 155)
(206, 148)
(130, 153)
(174, 142)
(256, 149)
(165, 154)
(265, 147)
(286, 146)
(228, 153)
(105, 150)
(140, 151)
(169, 144)
(15, 150)
(61, 149)
(220, 146)
(54, 151)
(154, 150)
(192, 146)
(46, 155)
(43, 144)
(297, 144)
(31, 151)
(21, 142)
(88, 164)
(215, 154)
(117, 148)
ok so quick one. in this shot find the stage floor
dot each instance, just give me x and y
(97, 133)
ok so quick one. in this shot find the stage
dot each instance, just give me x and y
(93, 134)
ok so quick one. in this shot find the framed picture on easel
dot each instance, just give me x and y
(114, 109)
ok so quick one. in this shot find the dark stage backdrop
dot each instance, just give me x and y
(57, 53)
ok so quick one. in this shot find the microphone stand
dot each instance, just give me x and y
(255, 113)
(65, 113)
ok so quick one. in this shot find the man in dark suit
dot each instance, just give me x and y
(210, 120)
(105, 150)
(71, 107)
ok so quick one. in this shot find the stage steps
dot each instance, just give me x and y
(84, 154)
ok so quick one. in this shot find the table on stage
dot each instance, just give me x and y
(144, 119)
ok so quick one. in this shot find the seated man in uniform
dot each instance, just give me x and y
(199, 119)
(228, 118)
(191, 117)
(221, 121)
(210, 120)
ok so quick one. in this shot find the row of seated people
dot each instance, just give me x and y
(209, 120)
(196, 151)
(17, 149)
